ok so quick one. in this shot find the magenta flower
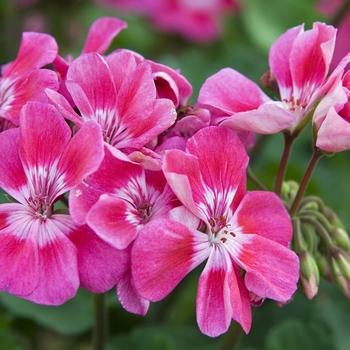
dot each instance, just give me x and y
(22, 80)
(40, 162)
(120, 95)
(220, 223)
(118, 201)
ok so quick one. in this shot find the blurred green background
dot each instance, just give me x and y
(319, 324)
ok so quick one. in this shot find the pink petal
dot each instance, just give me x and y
(231, 92)
(83, 154)
(39, 122)
(221, 296)
(279, 57)
(115, 220)
(334, 133)
(19, 272)
(163, 253)
(81, 199)
(90, 84)
(36, 51)
(64, 107)
(269, 118)
(29, 88)
(100, 266)
(255, 213)
(148, 127)
(121, 63)
(101, 34)
(183, 87)
(272, 269)
(57, 265)
(12, 176)
(129, 298)
(311, 56)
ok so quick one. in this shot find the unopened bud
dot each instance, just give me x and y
(268, 80)
(322, 264)
(339, 278)
(340, 262)
(309, 274)
(340, 238)
(289, 189)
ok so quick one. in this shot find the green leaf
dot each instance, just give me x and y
(73, 317)
(294, 334)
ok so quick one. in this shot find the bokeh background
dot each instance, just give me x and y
(243, 44)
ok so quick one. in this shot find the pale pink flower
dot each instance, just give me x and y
(22, 80)
(220, 223)
(299, 62)
(39, 163)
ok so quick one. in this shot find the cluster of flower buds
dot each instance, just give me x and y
(319, 239)
(156, 186)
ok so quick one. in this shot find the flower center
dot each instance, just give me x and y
(219, 229)
(40, 206)
(145, 210)
(294, 105)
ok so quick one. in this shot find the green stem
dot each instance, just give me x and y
(255, 180)
(320, 229)
(100, 328)
(232, 337)
(288, 143)
(317, 154)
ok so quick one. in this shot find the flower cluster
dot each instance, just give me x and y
(154, 186)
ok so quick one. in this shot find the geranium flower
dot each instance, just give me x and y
(220, 223)
(299, 62)
(22, 80)
(39, 163)
(117, 202)
(120, 95)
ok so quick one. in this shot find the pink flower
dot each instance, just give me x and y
(22, 80)
(299, 62)
(332, 117)
(118, 201)
(120, 95)
(39, 163)
(220, 223)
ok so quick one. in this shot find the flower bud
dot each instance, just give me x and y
(322, 264)
(309, 274)
(340, 238)
(338, 277)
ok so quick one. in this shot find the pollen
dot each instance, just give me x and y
(223, 239)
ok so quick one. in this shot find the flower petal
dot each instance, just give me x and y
(171, 251)
(221, 296)
(115, 220)
(230, 92)
(100, 265)
(272, 269)
(102, 33)
(263, 213)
